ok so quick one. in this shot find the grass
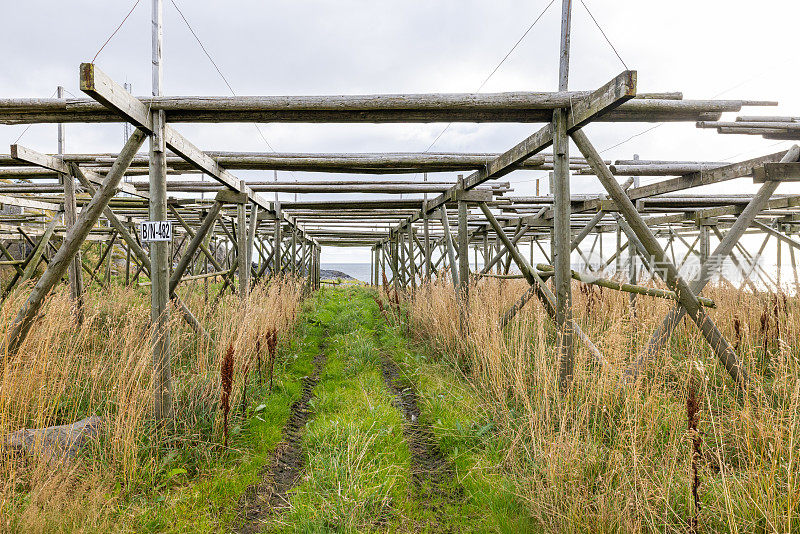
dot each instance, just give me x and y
(65, 372)
(358, 475)
(524, 456)
(605, 458)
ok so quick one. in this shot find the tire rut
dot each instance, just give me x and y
(432, 475)
(260, 501)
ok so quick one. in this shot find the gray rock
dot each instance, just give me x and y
(54, 442)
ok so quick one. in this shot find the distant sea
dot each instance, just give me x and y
(359, 271)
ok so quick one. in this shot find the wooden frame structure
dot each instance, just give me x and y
(63, 201)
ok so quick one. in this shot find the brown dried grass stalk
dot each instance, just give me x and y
(612, 459)
(64, 372)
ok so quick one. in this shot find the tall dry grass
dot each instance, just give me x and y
(610, 457)
(63, 373)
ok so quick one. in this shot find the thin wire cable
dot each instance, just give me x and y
(115, 31)
(604, 35)
(29, 126)
(662, 124)
(634, 136)
(219, 71)
(497, 67)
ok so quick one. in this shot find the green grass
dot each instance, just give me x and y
(357, 477)
(205, 499)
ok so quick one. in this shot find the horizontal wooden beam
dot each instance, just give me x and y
(696, 179)
(55, 164)
(102, 88)
(26, 202)
(522, 107)
(782, 172)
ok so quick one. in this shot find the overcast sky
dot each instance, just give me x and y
(725, 49)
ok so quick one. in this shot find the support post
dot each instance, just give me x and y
(159, 250)
(463, 250)
(561, 212)
(451, 253)
(72, 241)
(251, 238)
(277, 258)
(70, 216)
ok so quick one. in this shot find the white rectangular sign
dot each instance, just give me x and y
(156, 231)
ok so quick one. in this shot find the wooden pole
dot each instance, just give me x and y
(561, 212)
(70, 216)
(72, 241)
(241, 238)
(463, 250)
(633, 274)
(448, 241)
(159, 250)
(251, 237)
(277, 257)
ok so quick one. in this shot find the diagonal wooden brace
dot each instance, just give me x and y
(723, 250)
(537, 284)
(686, 297)
(72, 242)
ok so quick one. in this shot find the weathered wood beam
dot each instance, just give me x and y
(538, 287)
(72, 242)
(686, 297)
(461, 107)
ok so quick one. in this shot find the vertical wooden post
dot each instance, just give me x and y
(376, 267)
(412, 262)
(426, 234)
(241, 238)
(561, 212)
(451, 253)
(70, 216)
(401, 238)
(778, 260)
(485, 250)
(110, 259)
(251, 238)
(128, 258)
(531, 252)
(294, 251)
(633, 271)
(317, 264)
(463, 248)
(395, 262)
(277, 260)
(159, 251)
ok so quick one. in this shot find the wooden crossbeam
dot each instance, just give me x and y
(620, 89)
(25, 202)
(52, 163)
(783, 172)
(102, 88)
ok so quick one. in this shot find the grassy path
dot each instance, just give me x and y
(363, 434)
(395, 443)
